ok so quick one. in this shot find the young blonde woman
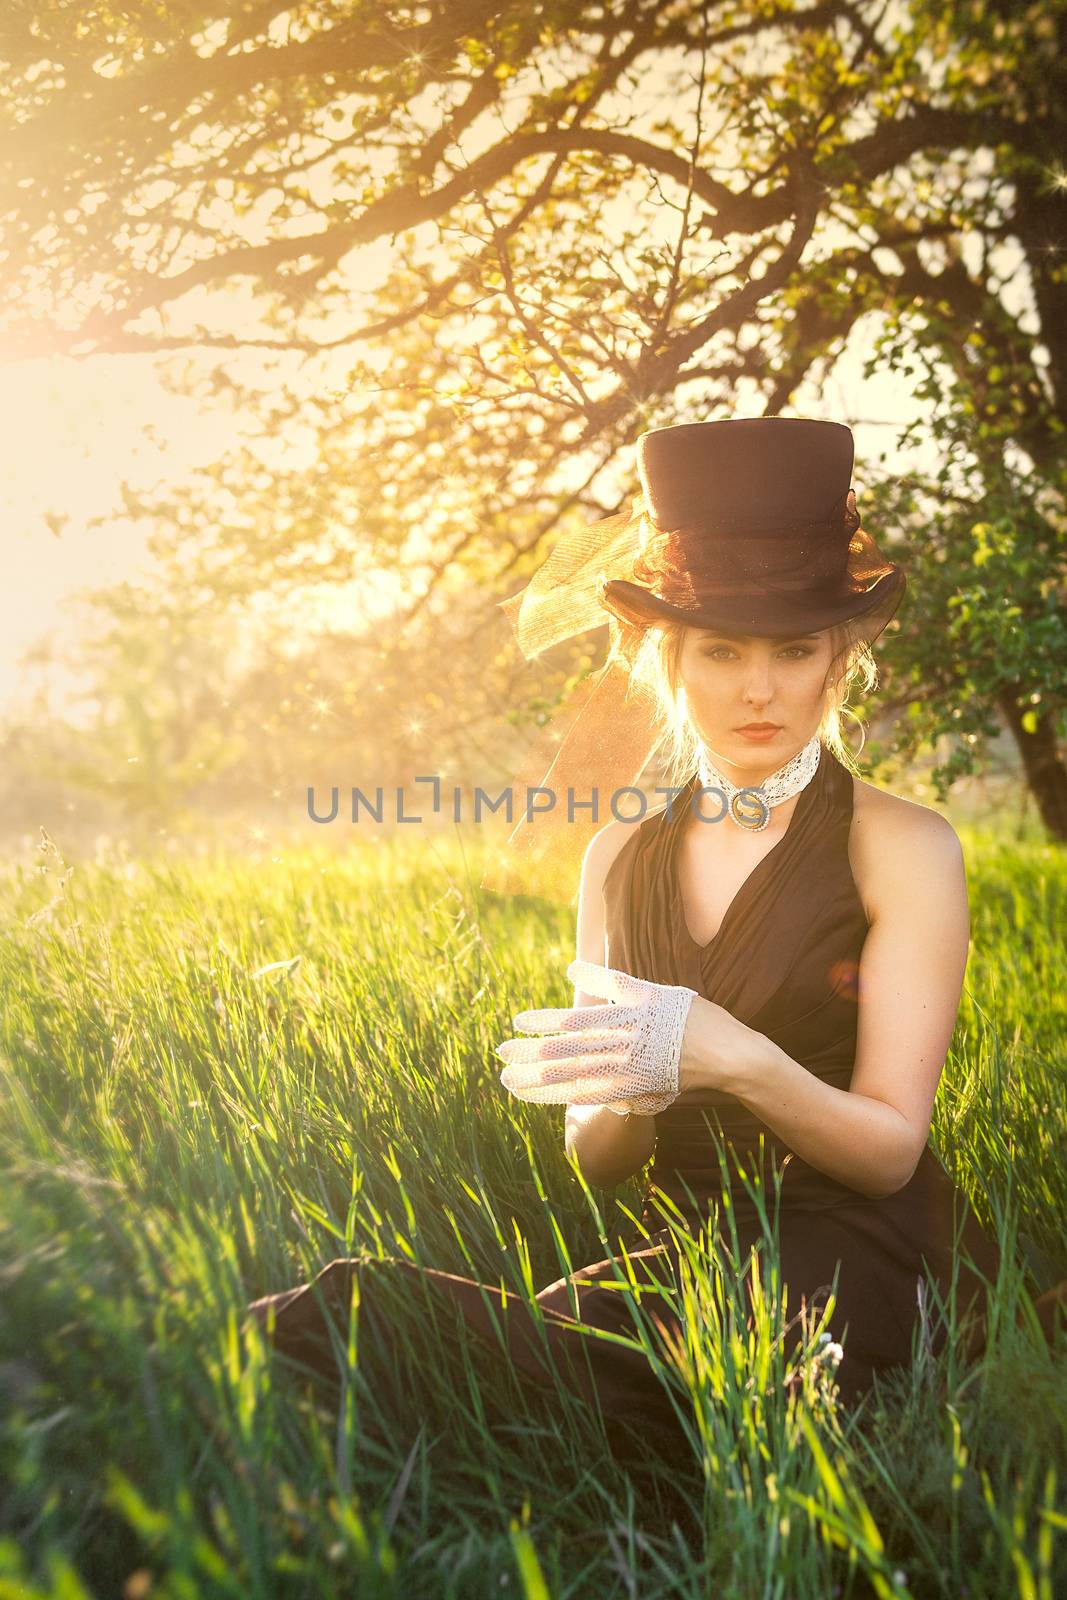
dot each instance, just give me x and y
(770, 962)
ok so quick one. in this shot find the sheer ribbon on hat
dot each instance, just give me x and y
(602, 738)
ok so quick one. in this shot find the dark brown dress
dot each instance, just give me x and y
(785, 961)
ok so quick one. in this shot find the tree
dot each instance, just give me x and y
(986, 552)
(984, 536)
(586, 221)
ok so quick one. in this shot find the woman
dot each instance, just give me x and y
(768, 972)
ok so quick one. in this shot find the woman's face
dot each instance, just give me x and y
(733, 680)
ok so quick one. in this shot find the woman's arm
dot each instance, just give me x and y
(871, 1135)
(608, 1148)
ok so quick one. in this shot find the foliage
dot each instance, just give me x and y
(983, 544)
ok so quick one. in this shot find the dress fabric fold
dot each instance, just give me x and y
(785, 961)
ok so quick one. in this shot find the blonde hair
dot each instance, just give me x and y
(654, 656)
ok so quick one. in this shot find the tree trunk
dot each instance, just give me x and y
(1046, 774)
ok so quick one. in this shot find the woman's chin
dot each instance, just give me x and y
(735, 749)
(746, 759)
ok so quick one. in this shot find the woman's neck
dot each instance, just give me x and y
(749, 776)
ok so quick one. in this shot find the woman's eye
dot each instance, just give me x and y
(727, 653)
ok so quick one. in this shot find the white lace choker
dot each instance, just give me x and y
(750, 806)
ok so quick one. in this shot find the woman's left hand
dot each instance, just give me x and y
(637, 1053)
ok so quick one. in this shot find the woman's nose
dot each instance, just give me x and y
(758, 685)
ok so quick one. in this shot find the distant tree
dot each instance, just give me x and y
(145, 732)
(186, 721)
(547, 227)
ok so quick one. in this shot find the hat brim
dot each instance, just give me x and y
(762, 618)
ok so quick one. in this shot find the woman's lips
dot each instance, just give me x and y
(759, 735)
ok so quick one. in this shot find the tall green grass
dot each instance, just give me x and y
(181, 1131)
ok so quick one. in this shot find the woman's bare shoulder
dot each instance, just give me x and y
(881, 811)
(607, 844)
(603, 848)
(897, 844)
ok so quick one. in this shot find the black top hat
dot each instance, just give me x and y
(750, 526)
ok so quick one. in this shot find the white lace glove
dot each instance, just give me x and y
(624, 1055)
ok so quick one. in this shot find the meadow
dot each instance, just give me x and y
(218, 1073)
